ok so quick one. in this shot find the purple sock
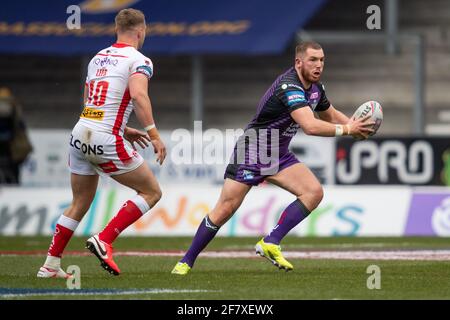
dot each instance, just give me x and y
(290, 217)
(205, 233)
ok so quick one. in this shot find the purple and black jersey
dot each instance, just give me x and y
(287, 94)
(271, 130)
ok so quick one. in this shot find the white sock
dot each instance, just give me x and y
(68, 223)
(140, 203)
(52, 262)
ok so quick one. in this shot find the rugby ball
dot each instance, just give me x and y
(372, 108)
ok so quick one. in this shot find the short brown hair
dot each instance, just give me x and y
(303, 46)
(129, 18)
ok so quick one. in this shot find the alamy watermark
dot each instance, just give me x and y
(74, 19)
(374, 280)
(373, 22)
(74, 282)
(250, 147)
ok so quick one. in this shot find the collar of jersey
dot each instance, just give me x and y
(121, 45)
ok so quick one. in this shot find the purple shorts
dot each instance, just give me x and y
(254, 174)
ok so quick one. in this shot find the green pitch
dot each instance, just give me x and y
(230, 278)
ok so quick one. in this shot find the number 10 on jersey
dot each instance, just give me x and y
(97, 92)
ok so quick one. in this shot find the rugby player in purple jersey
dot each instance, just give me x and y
(262, 153)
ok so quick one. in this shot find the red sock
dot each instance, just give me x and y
(126, 216)
(60, 239)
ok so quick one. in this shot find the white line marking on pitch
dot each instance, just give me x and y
(424, 255)
(100, 293)
(434, 255)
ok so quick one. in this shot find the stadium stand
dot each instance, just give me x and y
(233, 84)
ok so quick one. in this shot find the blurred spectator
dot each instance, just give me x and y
(14, 143)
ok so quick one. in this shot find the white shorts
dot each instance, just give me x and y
(92, 153)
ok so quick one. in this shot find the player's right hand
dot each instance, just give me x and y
(360, 128)
(160, 150)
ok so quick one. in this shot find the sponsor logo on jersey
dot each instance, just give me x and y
(291, 130)
(284, 86)
(294, 97)
(247, 174)
(106, 61)
(85, 147)
(314, 95)
(146, 70)
(101, 72)
(93, 114)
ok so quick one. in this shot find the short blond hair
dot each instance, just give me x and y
(302, 47)
(128, 19)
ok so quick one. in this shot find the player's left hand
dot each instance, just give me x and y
(134, 135)
(361, 128)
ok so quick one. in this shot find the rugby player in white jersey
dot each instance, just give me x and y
(116, 84)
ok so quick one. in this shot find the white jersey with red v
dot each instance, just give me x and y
(109, 103)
